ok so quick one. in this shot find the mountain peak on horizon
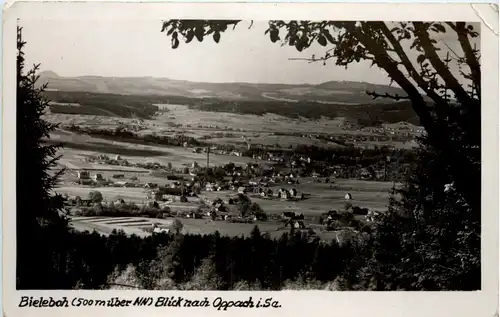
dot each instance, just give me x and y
(329, 92)
(49, 73)
(52, 74)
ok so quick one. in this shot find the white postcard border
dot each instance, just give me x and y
(294, 303)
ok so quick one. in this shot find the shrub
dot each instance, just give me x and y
(177, 226)
(95, 196)
(359, 211)
(150, 212)
(166, 210)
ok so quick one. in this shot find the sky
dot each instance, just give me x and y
(128, 48)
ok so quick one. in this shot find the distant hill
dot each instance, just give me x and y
(136, 96)
(343, 92)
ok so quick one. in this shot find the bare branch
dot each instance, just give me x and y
(387, 95)
(451, 50)
(407, 63)
(439, 66)
(470, 57)
(452, 26)
(437, 131)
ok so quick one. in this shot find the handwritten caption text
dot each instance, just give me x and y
(173, 301)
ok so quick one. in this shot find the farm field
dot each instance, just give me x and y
(284, 141)
(320, 197)
(181, 114)
(132, 195)
(105, 225)
(70, 177)
(135, 225)
(179, 119)
(77, 147)
(136, 195)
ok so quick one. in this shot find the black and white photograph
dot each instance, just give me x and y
(250, 154)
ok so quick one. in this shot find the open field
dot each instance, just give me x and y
(284, 141)
(77, 147)
(133, 195)
(105, 225)
(70, 176)
(321, 198)
(180, 119)
(182, 115)
(136, 195)
(135, 225)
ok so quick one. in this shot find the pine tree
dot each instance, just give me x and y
(430, 240)
(37, 209)
(34, 158)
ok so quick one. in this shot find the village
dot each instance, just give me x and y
(268, 192)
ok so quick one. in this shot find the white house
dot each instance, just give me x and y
(284, 194)
(160, 230)
(242, 190)
(97, 177)
(83, 175)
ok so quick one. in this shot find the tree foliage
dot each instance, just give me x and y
(35, 158)
(39, 225)
(385, 45)
(431, 239)
(95, 196)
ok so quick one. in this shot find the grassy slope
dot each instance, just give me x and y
(129, 97)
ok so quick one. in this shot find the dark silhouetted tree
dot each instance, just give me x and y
(389, 46)
(37, 209)
(431, 240)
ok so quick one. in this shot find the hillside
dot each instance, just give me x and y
(136, 97)
(329, 92)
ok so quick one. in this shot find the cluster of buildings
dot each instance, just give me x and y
(87, 178)
(216, 150)
(104, 159)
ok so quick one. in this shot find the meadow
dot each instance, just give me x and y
(180, 119)
(136, 225)
(259, 129)
(77, 147)
(320, 198)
